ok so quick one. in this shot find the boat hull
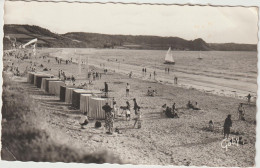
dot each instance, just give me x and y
(170, 63)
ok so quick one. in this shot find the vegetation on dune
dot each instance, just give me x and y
(24, 139)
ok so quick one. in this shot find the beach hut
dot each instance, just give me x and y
(62, 93)
(54, 87)
(76, 96)
(44, 82)
(84, 102)
(95, 107)
(47, 83)
(30, 77)
(38, 78)
(68, 94)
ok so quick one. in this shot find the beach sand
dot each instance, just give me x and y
(161, 140)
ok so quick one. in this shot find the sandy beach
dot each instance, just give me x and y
(161, 140)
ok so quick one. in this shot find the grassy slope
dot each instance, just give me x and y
(23, 138)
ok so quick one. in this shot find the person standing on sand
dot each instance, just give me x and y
(241, 112)
(109, 118)
(136, 107)
(175, 80)
(130, 74)
(115, 108)
(106, 89)
(227, 125)
(150, 75)
(249, 98)
(127, 89)
(138, 119)
(173, 107)
(154, 74)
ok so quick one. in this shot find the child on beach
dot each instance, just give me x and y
(211, 126)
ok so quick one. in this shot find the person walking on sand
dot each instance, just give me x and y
(154, 74)
(109, 118)
(227, 125)
(106, 89)
(241, 112)
(136, 107)
(127, 89)
(176, 80)
(248, 98)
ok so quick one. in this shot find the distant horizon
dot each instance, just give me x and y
(137, 35)
(216, 24)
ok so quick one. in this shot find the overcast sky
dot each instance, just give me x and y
(213, 24)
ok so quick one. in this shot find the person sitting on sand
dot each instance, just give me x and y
(163, 110)
(83, 121)
(174, 113)
(227, 125)
(168, 112)
(189, 105)
(196, 106)
(211, 126)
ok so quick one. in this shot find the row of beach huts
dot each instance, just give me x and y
(87, 101)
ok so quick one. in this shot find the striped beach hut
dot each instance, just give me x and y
(62, 93)
(30, 77)
(76, 96)
(95, 107)
(47, 83)
(38, 78)
(68, 94)
(84, 102)
(44, 82)
(54, 87)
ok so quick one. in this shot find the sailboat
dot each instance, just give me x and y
(200, 57)
(169, 57)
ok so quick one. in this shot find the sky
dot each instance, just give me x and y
(213, 24)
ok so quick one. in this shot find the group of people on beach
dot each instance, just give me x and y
(92, 76)
(112, 112)
(167, 70)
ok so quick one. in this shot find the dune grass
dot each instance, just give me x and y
(25, 140)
